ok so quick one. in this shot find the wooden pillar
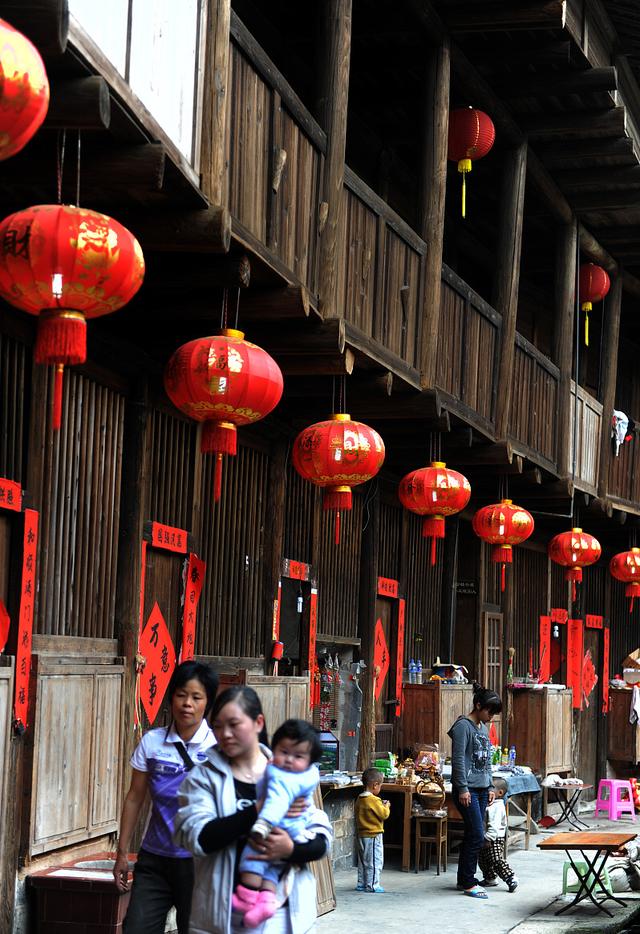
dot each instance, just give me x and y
(565, 293)
(610, 342)
(449, 593)
(505, 299)
(274, 540)
(367, 624)
(333, 119)
(433, 196)
(214, 115)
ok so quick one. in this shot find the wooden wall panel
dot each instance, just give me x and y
(80, 503)
(390, 557)
(624, 627)
(231, 611)
(15, 368)
(282, 698)
(397, 312)
(106, 758)
(6, 716)
(424, 596)
(302, 499)
(339, 571)
(171, 469)
(533, 413)
(356, 272)
(530, 571)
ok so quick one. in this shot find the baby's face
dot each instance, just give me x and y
(292, 755)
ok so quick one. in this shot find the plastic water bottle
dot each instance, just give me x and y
(412, 672)
(512, 757)
(419, 672)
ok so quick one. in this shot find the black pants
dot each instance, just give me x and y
(159, 883)
(492, 862)
(473, 818)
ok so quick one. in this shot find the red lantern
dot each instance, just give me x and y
(625, 567)
(66, 264)
(471, 136)
(24, 91)
(337, 455)
(434, 492)
(574, 550)
(503, 525)
(223, 381)
(594, 285)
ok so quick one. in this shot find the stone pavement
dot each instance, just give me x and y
(433, 903)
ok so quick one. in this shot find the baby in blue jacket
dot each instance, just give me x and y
(291, 774)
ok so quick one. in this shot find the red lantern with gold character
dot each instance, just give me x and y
(434, 492)
(594, 286)
(66, 264)
(223, 381)
(337, 455)
(625, 567)
(471, 136)
(503, 525)
(24, 91)
(574, 550)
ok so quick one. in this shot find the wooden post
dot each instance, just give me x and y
(367, 626)
(274, 539)
(507, 279)
(610, 342)
(333, 119)
(432, 209)
(214, 116)
(449, 593)
(565, 292)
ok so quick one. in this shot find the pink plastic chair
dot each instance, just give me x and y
(615, 798)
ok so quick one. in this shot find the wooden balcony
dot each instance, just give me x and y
(587, 439)
(534, 404)
(624, 475)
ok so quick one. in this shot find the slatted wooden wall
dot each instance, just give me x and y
(424, 595)
(301, 503)
(171, 470)
(339, 570)
(80, 502)
(15, 368)
(530, 601)
(232, 537)
(390, 558)
(625, 637)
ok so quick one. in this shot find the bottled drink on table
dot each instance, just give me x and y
(504, 759)
(512, 756)
(412, 672)
(419, 672)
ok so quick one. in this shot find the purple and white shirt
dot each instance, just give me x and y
(157, 755)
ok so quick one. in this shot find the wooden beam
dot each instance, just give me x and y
(497, 56)
(495, 16)
(335, 83)
(45, 22)
(578, 180)
(507, 277)
(609, 371)
(293, 301)
(207, 231)
(80, 103)
(588, 152)
(585, 202)
(595, 252)
(214, 106)
(565, 299)
(315, 364)
(433, 198)
(588, 124)
(558, 84)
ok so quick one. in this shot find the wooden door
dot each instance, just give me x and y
(493, 658)
(385, 690)
(587, 745)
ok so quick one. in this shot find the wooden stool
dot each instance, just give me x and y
(437, 837)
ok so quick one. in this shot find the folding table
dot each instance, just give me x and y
(568, 802)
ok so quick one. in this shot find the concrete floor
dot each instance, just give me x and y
(430, 902)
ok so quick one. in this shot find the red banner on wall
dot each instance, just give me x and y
(159, 661)
(544, 662)
(605, 671)
(10, 495)
(400, 655)
(593, 621)
(380, 659)
(559, 616)
(169, 538)
(192, 590)
(312, 663)
(387, 587)
(25, 618)
(575, 660)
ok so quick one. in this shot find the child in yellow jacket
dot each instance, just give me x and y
(371, 812)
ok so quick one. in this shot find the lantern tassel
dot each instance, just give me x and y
(503, 577)
(217, 478)
(56, 404)
(61, 338)
(464, 166)
(631, 604)
(433, 528)
(433, 551)
(586, 329)
(337, 528)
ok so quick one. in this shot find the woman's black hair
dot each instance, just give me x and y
(300, 732)
(190, 670)
(248, 701)
(488, 700)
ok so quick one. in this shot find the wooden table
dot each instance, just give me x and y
(407, 791)
(601, 845)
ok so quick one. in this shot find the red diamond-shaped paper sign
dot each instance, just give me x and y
(157, 648)
(5, 623)
(380, 659)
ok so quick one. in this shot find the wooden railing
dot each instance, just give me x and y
(624, 472)
(468, 347)
(534, 401)
(587, 439)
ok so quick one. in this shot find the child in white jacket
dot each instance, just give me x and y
(491, 858)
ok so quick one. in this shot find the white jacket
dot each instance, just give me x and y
(206, 793)
(496, 816)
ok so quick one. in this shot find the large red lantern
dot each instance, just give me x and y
(503, 525)
(337, 455)
(66, 264)
(471, 136)
(594, 285)
(24, 91)
(223, 381)
(625, 567)
(574, 550)
(434, 492)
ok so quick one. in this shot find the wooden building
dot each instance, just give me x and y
(290, 163)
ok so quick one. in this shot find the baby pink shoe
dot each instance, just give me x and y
(265, 907)
(243, 898)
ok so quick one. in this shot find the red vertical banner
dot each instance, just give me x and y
(605, 670)
(25, 618)
(575, 660)
(192, 590)
(275, 623)
(399, 655)
(312, 664)
(544, 661)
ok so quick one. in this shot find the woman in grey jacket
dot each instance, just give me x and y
(217, 810)
(472, 781)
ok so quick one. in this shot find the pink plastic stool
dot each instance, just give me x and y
(611, 800)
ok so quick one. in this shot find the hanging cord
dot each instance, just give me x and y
(224, 309)
(62, 140)
(343, 382)
(78, 151)
(333, 395)
(237, 309)
(574, 457)
(604, 309)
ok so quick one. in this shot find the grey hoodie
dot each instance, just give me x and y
(470, 755)
(206, 793)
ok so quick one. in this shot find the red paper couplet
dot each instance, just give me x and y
(312, 663)
(605, 671)
(193, 588)
(559, 616)
(296, 570)
(380, 659)
(575, 660)
(275, 623)
(544, 662)
(387, 587)
(160, 660)
(589, 677)
(594, 622)
(400, 656)
(10, 495)
(25, 617)
(169, 538)
(5, 623)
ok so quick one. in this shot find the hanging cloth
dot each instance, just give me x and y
(619, 425)
(634, 712)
